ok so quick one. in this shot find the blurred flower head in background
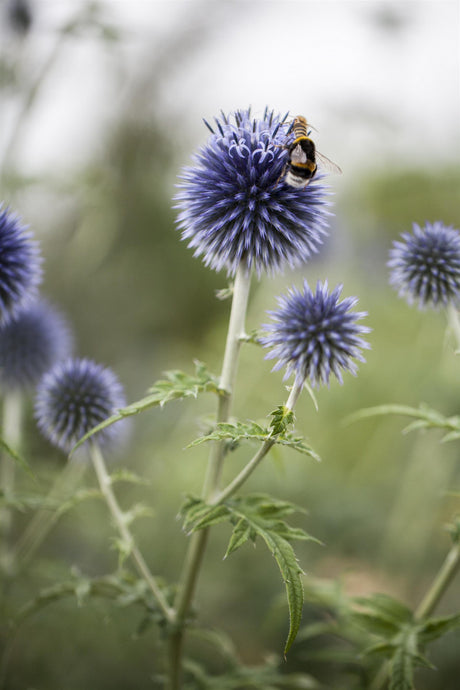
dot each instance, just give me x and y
(31, 343)
(74, 397)
(314, 335)
(425, 266)
(235, 209)
(19, 14)
(20, 265)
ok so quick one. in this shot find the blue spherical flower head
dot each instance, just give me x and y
(30, 344)
(235, 208)
(74, 397)
(425, 266)
(314, 334)
(20, 265)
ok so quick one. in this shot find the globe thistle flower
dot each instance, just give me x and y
(20, 271)
(31, 344)
(19, 15)
(425, 266)
(235, 208)
(74, 397)
(315, 335)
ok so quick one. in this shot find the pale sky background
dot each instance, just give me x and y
(376, 97)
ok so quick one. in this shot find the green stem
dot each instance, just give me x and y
(45, 518)
(446, 574)
(119, 519)
(454, 323)
(235, 335)
(198, 541)
(11, 433)
(248, 469)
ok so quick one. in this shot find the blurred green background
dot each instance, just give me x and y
(101, 107)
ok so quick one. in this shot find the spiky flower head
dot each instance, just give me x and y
(235, 207)
(425, 266)
(30, 344)
(314, 334)
(74, 397)
(20, 265)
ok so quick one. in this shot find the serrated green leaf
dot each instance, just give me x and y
(451, 436)
(291, 573)
(22, 502)
(196, 514)
(297, 443)
(124, 475)
(375, 624)
(434, 628)
(122, 588)
(420, 660)
(385, 648)
(425, 418)
(212, 516)
(251, 431)
(387, 608)
(282, 419)
(138, 510)
(402, 671)
(240, 535)
(234, 432)
(176, 385)
(76, 498)
(258, 515)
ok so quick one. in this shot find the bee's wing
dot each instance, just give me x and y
(327, 164)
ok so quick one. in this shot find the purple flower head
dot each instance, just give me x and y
(315, 335)
(74, 397)
(20, 261)
(31, 344)
(425, 266)
(235, 207)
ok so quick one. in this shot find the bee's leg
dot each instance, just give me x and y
(283, 172)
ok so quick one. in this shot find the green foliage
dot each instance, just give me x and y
(177, 385)
(122, 588)
(252, 516)
(18, 459)
(282, 418)
(425, 418)
(251, 431)
(402, 636)
(268, 677)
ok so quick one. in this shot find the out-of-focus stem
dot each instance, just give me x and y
(445, 575)
(45, 518)
(454, 323)
(197, 547)
(119, 519)
(11, 433)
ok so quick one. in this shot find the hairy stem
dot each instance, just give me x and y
(11, 433)
(198, 541)
(119, 519)
(261, 453)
